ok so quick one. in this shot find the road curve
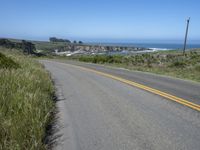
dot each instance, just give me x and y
(99, 113)
(181, 88)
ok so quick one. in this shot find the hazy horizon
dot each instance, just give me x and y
(114, 41)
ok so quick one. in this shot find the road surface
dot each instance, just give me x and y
(100, 113)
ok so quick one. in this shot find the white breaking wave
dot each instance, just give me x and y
(159, 49)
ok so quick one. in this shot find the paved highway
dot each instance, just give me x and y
(98, 112)
(184, 89)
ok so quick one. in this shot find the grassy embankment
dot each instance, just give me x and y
(171, 63)
(26, 93)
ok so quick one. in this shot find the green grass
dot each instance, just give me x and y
(25, 103)
(166, 63)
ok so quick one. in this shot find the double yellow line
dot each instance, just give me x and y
(146, 88)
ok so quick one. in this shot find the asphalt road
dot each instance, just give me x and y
(99, 113)
(184, 89)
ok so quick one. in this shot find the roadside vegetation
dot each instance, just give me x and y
(171, 63)
(26, 93)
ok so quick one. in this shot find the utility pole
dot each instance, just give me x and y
(186, 34)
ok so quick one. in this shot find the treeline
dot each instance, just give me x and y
(25, 46)
(54, 39)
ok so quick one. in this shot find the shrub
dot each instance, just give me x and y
(178, 64)
(8, 63)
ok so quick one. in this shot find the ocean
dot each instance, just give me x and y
(160, 46)
(154, 46)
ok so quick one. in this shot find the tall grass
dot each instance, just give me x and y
(25, 105)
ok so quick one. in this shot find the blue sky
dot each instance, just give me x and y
(100, 20)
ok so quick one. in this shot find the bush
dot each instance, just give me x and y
(178, 64)
(7, 63)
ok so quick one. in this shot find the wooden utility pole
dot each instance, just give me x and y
(186, 34)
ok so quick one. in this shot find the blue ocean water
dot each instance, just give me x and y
(167, 46)
(157, 46)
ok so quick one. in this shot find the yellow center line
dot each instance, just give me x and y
(146, 88)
